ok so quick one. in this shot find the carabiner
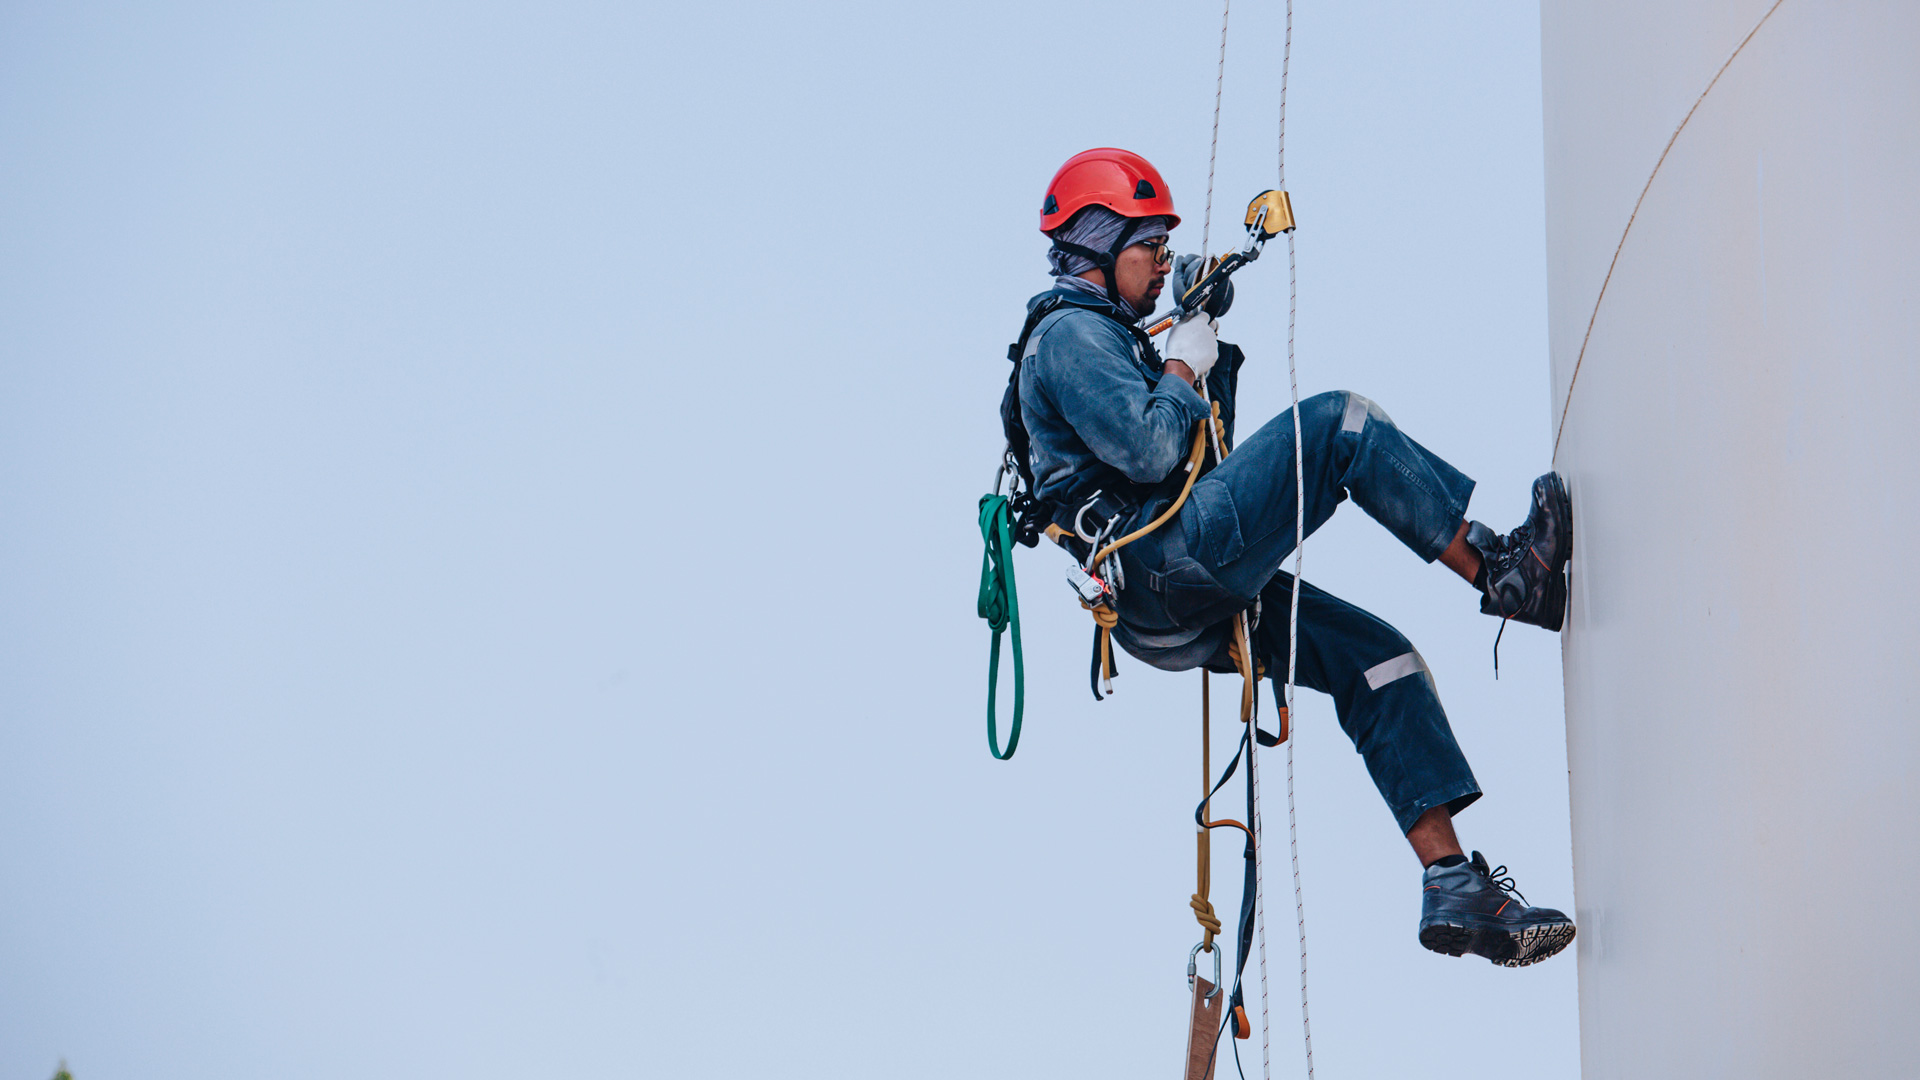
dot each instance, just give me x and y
(1007, 468)
(1079, 520)
(1193, 968)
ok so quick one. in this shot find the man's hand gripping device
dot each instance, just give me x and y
(1268, 215)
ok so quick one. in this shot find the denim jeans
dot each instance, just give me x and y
(1187, 580)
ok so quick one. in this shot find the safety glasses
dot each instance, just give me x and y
(1161, 250)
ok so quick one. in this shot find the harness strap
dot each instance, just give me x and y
(1031, 513)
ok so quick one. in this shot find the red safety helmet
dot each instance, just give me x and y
(1120, 180)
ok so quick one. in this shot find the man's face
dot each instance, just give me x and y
(1141, 272)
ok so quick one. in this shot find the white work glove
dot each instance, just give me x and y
(1192, 341)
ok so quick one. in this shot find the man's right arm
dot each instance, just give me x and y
(1085, 364)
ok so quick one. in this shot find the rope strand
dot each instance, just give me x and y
(1299, 544)
(1213, 149)
(1293, 607)
(1245, 628)
(1579, 358)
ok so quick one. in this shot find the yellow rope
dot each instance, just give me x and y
(1203, 907)
(1106, 619)
(1203, 910)
(1105, 616)
(1193, 473)
(1250, 672)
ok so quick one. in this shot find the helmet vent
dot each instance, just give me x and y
(1053, 205)
(1144, 190)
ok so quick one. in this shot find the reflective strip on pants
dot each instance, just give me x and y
(1355, 418)
(1399, 667)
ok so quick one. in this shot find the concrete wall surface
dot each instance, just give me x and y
(1742, 440)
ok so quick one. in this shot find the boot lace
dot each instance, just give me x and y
(1513, 548)
(1499, 879)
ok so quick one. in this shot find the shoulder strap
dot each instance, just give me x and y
(1032, 517)
(1040, 311)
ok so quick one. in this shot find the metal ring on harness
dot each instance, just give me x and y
(1193, 967)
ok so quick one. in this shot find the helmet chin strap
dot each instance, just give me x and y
(1107, 262)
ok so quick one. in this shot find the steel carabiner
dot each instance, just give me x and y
(1079, 519)
(1193, 969)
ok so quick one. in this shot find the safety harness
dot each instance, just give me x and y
(1084, 519)
(1032, 513)
(1021, 516)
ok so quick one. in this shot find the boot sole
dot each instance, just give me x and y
(1563, 517)
(1556, 602)
(1507, 948)
(1563, 545)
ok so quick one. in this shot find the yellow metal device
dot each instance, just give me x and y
(1279, 213)
(1268, 215)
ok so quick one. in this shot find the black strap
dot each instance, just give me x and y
(1093, 666)
(1100, 259)
(1249, 886)
(1105, 261)
(1030, 515)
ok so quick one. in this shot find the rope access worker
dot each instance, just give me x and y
(1107, 424)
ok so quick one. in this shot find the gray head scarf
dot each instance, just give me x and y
(1096, 227)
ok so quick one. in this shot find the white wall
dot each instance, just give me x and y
(1743, 445)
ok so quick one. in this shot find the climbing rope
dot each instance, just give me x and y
(1000, 606)
(1203, 859)
(1213, 148)
(1243, 637)
(1104, 616)
(1249, 667)
(1581, 357)
(1299, 546)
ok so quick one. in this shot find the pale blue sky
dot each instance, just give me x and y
(487, 550)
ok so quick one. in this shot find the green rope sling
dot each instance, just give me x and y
(1000, 606)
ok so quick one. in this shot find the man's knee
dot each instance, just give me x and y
(1335, 413)
(1357, 410)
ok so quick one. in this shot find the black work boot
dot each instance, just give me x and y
(1469, 908)
(1523, 574)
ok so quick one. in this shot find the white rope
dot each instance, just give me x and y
(1246, 625)
(1259, 877)
(1299, 545)
(1213, 149)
